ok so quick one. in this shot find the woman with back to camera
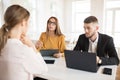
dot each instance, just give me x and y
(52, 38)
(18, 57)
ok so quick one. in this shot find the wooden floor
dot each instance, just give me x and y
(118, 73)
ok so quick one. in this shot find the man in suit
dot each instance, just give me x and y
(101, 44)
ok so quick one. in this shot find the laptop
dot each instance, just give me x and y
(49, 52)
(81, 60)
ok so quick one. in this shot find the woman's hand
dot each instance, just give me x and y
(38, 44)
(25, 40)
(58, 55)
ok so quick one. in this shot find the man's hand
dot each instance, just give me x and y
(99, 61)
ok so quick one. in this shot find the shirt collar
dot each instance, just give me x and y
(95, 40)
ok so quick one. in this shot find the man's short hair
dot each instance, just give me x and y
(91, 19)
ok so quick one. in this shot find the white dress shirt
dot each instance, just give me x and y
(20, 62)
(93, 45)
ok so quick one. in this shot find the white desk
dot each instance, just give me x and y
(59, 71)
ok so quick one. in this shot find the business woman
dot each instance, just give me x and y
(52, 38)
(18, 57)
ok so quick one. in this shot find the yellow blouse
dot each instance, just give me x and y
(53, 42)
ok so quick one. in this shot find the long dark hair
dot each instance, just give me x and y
(57, 30)
(13, 15)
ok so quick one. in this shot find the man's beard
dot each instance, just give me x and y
(91, 35)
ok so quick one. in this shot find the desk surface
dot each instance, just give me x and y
(59, 71)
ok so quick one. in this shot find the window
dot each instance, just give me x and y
(80, 10)
(112, 20)
(33, 15)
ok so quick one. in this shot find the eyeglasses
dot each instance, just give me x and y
(50, 22)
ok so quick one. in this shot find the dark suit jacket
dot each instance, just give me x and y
(105, 48)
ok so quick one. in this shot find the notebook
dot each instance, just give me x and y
(49, 52)
(81, 60)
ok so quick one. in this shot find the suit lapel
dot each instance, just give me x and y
(87, 45)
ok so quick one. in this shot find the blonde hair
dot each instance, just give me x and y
(13, 15)
(57, 30)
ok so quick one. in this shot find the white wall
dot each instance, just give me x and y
(1, 13)
(68, 16)
(98, 10)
